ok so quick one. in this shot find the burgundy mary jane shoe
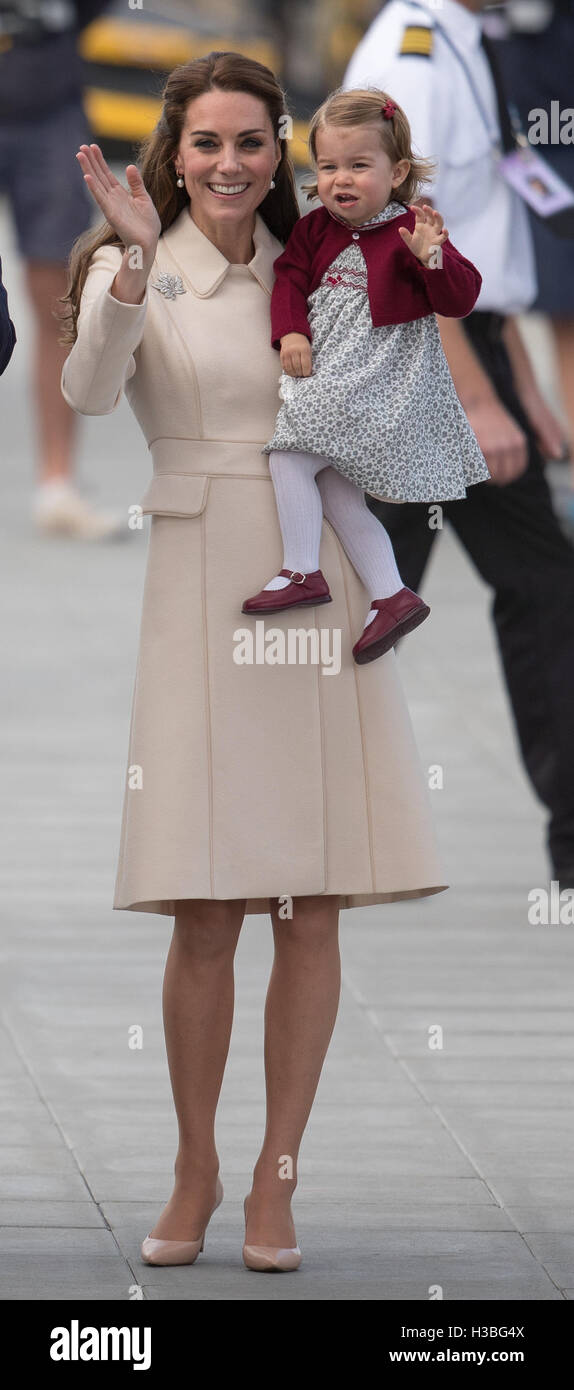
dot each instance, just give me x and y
(304, 590)
(397, 615)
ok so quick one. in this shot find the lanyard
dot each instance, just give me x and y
(494, 138)
(554, 202)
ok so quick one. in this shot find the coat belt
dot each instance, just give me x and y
(183, 469)
(210, 456)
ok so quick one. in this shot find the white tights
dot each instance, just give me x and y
(308, 488)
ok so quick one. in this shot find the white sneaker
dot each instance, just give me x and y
(58, 509)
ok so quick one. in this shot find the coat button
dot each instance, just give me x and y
(355, 236)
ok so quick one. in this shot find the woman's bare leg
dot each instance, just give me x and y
(300, 1012)
(56, 422)
(198, 997)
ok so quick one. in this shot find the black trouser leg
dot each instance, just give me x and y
(515, 541)
(408, 526)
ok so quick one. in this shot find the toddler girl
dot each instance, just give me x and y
(371, 405)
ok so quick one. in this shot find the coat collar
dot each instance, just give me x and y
(204, 267)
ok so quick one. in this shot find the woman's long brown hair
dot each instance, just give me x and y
(228, 72)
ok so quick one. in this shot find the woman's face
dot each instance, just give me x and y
(227, 155)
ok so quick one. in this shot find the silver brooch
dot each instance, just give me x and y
(169, 285)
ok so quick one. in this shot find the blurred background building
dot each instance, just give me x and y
(128, 55)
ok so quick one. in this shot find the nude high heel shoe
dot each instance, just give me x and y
(177, 1252)
(270, 1258)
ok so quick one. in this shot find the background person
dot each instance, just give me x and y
(436, 63)
(42, 122)
(537, 65)
(7, 330)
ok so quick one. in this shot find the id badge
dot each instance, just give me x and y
(536, 182)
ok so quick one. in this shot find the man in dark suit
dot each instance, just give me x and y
(7, 330)
(438, 64)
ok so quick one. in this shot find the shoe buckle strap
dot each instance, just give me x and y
(295, 576)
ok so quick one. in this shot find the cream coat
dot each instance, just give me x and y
(244, 780)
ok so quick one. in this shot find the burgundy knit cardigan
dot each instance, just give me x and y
(399, 287)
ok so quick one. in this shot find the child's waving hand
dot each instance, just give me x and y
(428, 232)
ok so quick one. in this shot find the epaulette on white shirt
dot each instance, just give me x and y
(429, 59)
(417, 41)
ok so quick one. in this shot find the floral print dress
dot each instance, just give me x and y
(380, 405)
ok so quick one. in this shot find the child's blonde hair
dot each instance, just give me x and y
(362, 106)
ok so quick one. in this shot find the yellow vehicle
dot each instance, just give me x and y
(127, 61)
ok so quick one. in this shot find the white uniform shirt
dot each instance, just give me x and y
(486, 219)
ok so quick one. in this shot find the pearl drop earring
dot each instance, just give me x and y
(180, 182)
(272, 184)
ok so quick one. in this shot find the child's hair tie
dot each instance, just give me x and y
(388, 109)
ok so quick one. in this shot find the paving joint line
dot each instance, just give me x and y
(43, 1099)
(419, 1088)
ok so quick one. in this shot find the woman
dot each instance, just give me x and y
(291, 788)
